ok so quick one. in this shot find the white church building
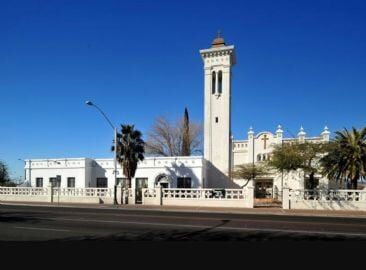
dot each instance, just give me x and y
(221, 152)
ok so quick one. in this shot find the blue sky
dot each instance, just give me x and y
(298, 63)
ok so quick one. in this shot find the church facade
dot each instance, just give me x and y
(257, 148)
(221, 152)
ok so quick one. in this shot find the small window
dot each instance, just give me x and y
(259, 157)
(71, 182)
(216, 119)
(184, 182)
(102, 182)
(39, 182)
(213, 85)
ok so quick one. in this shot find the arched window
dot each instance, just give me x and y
(213, 86)
(259, 157)
(264, 156)
(220, 82)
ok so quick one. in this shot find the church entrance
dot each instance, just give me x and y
(263, 188)
(264, 194)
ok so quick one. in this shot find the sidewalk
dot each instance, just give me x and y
(182, 209)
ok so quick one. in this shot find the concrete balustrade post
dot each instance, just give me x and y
(119, 194)
(159, 195)
(132, 198)
(50, 192)
(249, 196)
(143, 191)
(286, 198)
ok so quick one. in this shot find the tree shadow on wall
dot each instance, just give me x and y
(182, 170)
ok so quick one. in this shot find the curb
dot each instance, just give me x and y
(208, 211)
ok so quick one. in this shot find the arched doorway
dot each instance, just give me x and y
(163, 180)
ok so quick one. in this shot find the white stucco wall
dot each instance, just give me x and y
(86, 171)
(49, 168)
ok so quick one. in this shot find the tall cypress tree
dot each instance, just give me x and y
(186, 141)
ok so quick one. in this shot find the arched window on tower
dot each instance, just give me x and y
(220, 82)
(213, 86)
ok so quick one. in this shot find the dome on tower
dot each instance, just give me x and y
(218, 41)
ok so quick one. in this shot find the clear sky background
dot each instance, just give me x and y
(298, 63)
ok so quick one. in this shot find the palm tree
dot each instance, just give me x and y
(130, 150)
(347, 158)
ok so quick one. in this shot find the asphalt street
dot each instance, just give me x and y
(40, 223)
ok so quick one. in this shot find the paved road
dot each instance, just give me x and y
(35, 223)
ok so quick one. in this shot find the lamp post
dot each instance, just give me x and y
(89, 103)
(29, 170)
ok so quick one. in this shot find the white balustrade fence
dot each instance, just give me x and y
(65, 195)
(213, 194)
(149, 193)
(23, 191)
(199, 197)
(84, 192)
(325, 199)
(328, 195)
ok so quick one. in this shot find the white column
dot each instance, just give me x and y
(279, 135)
(143, 190)
(286, 198)
(301, 135)
(124, 196)
(132, 199)
(50, 192)
(249, 197)
(326, 134)
(159, 195)
(119, 194)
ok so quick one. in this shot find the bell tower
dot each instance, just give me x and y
(218, 61)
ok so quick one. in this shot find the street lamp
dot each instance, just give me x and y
(89, 103)
(25, 170)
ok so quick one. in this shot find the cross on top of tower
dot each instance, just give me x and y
(218, 41)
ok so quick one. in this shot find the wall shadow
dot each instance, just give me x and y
(97, 172)
(214, 178)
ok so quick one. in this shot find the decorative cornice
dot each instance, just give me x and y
(221, 51)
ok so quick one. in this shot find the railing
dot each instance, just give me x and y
(23, 191)
(71, 192)
(149, 193)
(214, 194)
(83, 192)
(235, 194)
(328, 195)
